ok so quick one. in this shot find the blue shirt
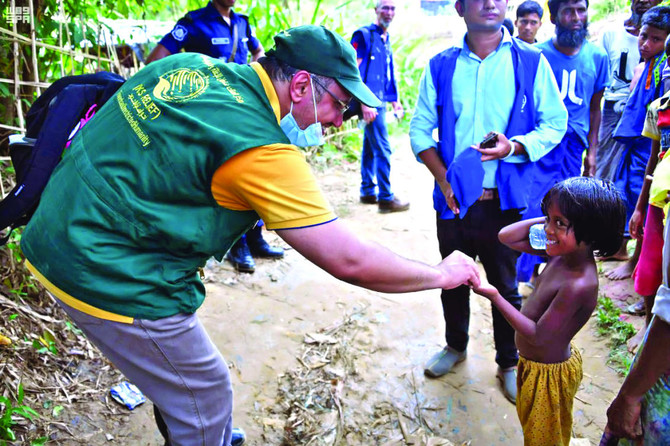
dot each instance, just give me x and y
(579, 77)
(483, 101)
(376, 61)
(205, 31)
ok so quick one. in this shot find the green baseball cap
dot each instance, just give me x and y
(321, 51)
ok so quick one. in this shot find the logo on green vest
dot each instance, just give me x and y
(180, 85)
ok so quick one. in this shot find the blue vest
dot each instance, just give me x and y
(512, 178)
(374, 67)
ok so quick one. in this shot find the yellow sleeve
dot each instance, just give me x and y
(277, 183)
(650, 129)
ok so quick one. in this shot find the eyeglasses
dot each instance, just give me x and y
(387, 8)
(343, 105)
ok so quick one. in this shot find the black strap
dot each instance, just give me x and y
(367, 65)
(232, 54)
(623, 61)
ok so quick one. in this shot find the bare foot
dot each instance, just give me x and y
(616, 257)
(621, 272)
(634, 342)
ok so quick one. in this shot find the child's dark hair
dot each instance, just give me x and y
(658, 17)
(595, 210)
(555, 4)
(529, 7)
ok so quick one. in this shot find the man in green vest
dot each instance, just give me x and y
(185, 158)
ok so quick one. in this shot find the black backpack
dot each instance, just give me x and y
(51, 123)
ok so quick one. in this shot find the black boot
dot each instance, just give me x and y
(240, 256)
(259, 247)
(162, 427)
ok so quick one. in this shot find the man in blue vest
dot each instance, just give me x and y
(217, 31)
(487, 82)
(375, 62)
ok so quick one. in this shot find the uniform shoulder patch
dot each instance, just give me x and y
(179, 33)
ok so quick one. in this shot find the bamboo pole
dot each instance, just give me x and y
(11, 127)
(60, 35)
(98, 45)
(28, 83)
(17, 87)
(33, 39)
(111, 51)
(18, 37)
(69, 47)
(84, 42)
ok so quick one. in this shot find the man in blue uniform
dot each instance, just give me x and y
(217, 31)
(375, 62)
(582, 72)
(487, 82)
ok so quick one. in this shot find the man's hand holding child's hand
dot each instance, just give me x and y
(487, 290)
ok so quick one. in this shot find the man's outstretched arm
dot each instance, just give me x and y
(339, 251)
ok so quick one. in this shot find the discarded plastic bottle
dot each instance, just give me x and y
(537, 236)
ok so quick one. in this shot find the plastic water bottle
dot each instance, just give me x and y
(537, 236)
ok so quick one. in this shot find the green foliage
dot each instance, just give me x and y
(609, 323)
(408, 70)
(11, 409)
(71, 327)
(46, 343)
(268, 17)
(601, 9)
(14, 245)
(20, 285)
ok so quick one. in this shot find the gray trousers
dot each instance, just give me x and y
(175, 364)
(609, 149)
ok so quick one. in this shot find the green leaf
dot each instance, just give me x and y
(25, 412)
(20, 393)
(57, 410)
(37, 345)
(49, 336)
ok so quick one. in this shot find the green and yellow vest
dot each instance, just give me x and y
(128, 217)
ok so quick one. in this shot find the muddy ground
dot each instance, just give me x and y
(378, 346)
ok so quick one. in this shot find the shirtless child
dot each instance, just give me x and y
(582, 215)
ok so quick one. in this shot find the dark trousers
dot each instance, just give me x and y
(376, 159)
(477, 236)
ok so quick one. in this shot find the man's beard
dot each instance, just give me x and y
(571, 38)
(635, 19)
(385, 23)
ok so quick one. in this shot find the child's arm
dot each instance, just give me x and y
(564, 317)
(595, 116)
(516, 236)
(520, 323)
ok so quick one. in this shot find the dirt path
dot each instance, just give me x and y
(259, 322)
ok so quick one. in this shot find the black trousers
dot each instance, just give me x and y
(477, 236)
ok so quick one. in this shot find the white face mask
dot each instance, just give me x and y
(311, 136)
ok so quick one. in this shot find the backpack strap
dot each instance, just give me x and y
(232, 54)
(50, 123)
(368, 37)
